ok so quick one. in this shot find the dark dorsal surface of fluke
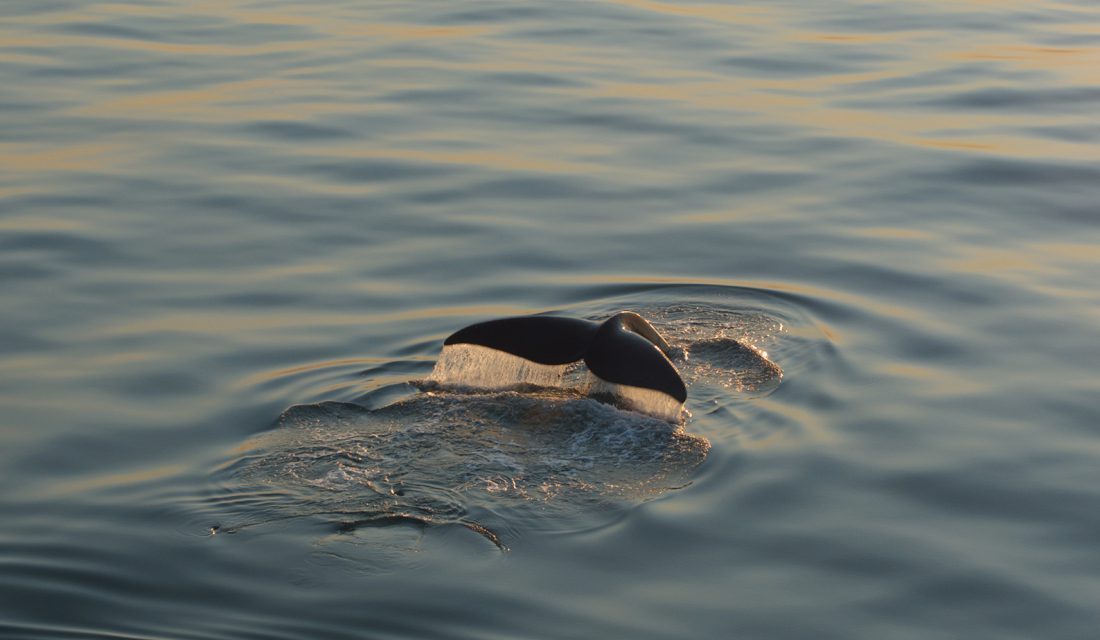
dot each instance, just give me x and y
(624, 349)
(541, 339)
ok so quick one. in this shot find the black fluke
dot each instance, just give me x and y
(624, 349)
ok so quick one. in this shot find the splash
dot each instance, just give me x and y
(647, 401)
(472, 366)
(715, 350)
(721, 350)
(732, 364)
(468, 365)
(490, 463)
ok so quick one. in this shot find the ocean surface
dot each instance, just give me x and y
(233, 236)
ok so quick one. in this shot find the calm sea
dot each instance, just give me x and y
(234, 234)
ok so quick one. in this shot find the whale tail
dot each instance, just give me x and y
(623, 350)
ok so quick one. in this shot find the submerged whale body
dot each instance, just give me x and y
(622, 350)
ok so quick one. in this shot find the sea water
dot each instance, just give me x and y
(233, 236)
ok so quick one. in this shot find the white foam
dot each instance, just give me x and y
(484, 368)
(648, 401)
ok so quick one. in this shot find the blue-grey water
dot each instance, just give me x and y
(233, 236)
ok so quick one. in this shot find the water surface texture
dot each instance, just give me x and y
(233, 236)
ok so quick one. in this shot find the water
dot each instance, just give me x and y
(234, 235)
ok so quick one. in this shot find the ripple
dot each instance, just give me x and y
(296, 131)
(1018, 173)
(540, 462)
(212, 211)
(774, 66)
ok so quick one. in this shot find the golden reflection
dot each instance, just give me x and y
(939, 381)
(18, 158)
(40, 223)
(849, 38)
(485, 310)
(314, 26)
(304, 184)
(810, 102)
(115, 480)
(207, 101)
(1042, 56)
(805, 425)
(16, 191)
(187, 322)
(205, 49)
(14, 39)
(893, 233)
(956, 144)
(872, 304)
(13, 58)
(1049, 268)
(131, 9)
(245, 276)
(716, 12)
(407, 32)
(120, 358)
(1000, 262)
(492, 159)
(1078, 66)
(773, 210)
(1070, 251)
(278, 374)
(814, 101)
(319, 24)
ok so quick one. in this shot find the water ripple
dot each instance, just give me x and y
(212, 211)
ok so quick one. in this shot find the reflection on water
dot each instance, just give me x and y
(211, 211)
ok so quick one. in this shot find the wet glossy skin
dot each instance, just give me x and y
(624, 349)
